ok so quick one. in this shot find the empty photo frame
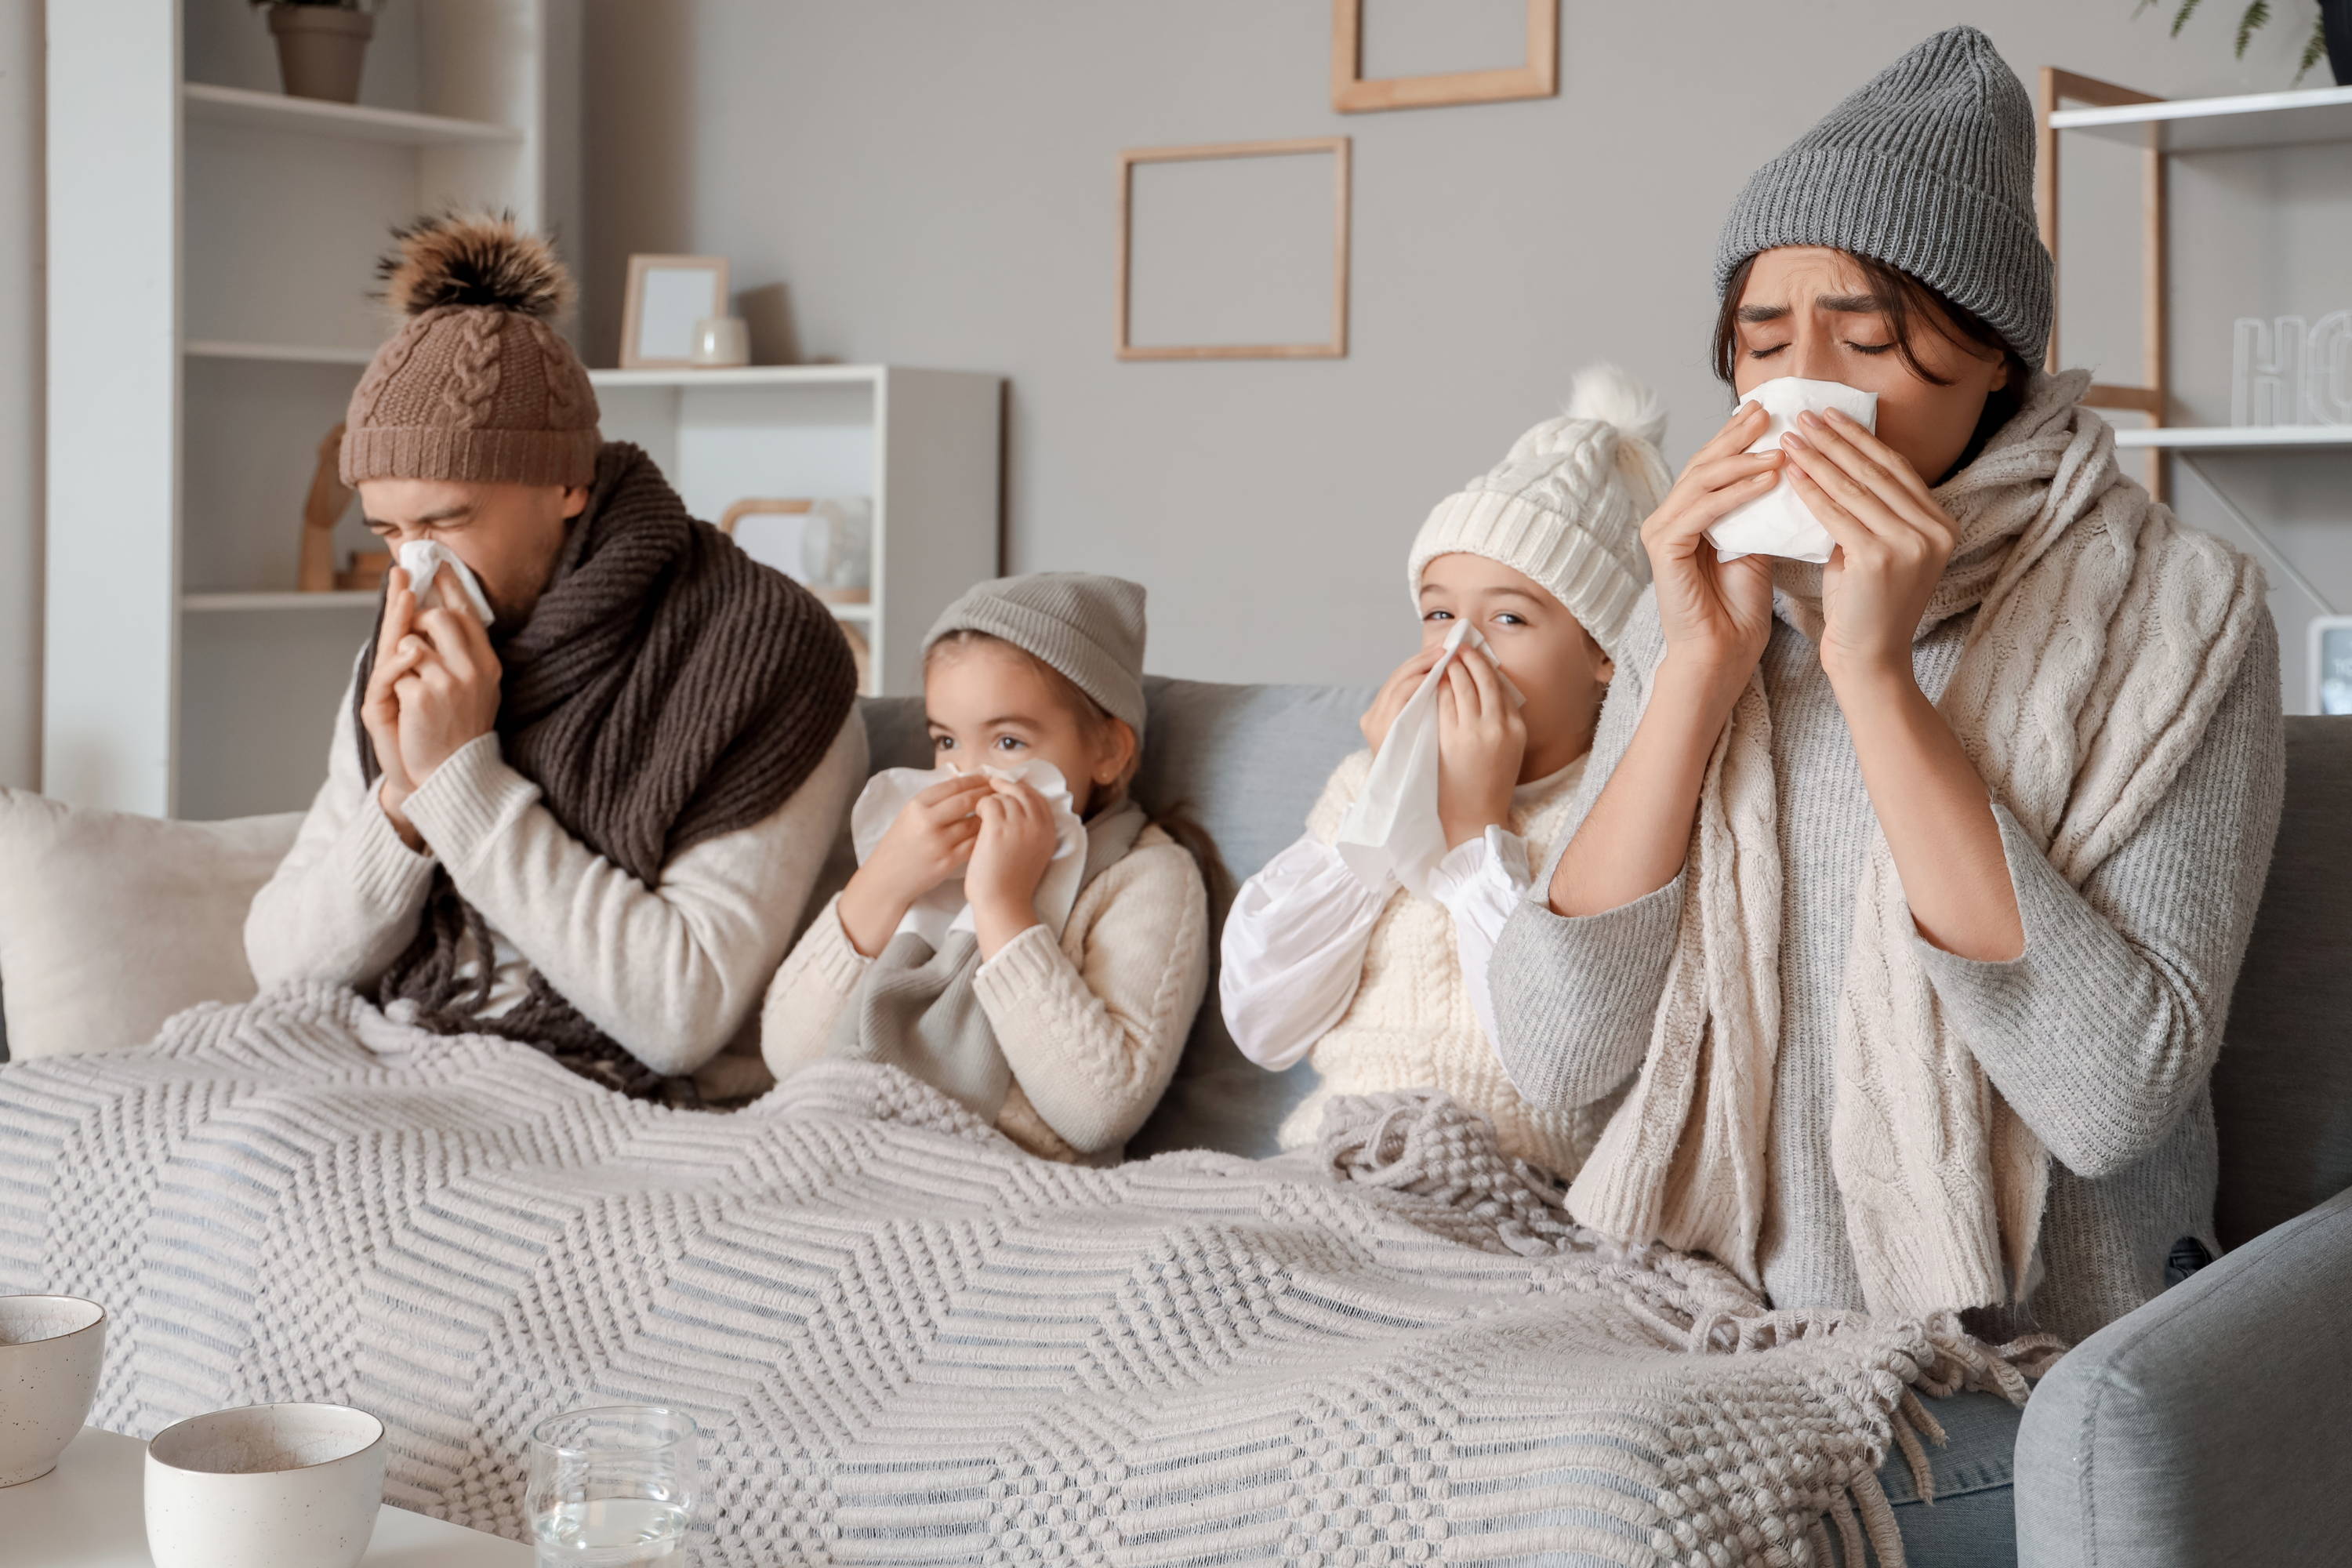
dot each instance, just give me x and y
(667, 295)
(1536, 76)
(1236, 251)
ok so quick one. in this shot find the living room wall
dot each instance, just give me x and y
(927, 184)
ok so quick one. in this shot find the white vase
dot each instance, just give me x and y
(268, 1486)
(50, 1351)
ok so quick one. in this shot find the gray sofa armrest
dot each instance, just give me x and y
(2207, 1427)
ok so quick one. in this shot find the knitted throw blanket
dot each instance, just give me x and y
(665, 689)
(906, 1340)
(2104, 636)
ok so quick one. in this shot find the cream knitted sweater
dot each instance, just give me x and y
(673, 973)
(1093, 1024)
(1413, 1023)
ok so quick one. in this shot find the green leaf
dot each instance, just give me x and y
(2313, 50)
(2256, 15)
(2181, 17)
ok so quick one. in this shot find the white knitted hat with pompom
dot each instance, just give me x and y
(1565, 507)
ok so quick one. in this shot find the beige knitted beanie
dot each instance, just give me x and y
(1566, 506)
(1089, 628)
(475, 385)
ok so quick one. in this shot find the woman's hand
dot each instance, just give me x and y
(929, 841)
(1394, 694)
(1481, 741)
(1008, 861)
(1716, 616)
(448, 696)
(396, 654)
(1893, 542)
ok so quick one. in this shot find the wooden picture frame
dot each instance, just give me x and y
(1336, 347)
(1352, 94)
(648, 273)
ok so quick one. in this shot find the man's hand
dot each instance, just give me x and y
(397, 655)
(1008, 861)
(928, 843)
(449, 695)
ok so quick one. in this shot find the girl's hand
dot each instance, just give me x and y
(1008, 860)
(1481, 740)
(929, 841)
(396, 654)
(1893, 541)
(1716, 616)
(1393, 695)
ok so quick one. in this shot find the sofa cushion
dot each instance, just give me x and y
(109, 923)
(1245, 763)
(2282, 1087)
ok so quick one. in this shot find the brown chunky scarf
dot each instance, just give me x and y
(665, 689)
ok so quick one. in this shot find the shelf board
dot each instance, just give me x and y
(2221, 124)
(744, 376)
(346, 121)
(340, 599)
(860, 613)
(2248, 437)
(287, 354)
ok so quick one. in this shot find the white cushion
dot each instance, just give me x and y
(109, 923)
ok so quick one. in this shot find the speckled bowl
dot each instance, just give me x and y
(268, 1485)
(51, 1349)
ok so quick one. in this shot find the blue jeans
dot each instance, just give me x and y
(1972, 1523)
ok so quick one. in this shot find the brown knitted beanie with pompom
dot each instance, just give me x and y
(475, 384)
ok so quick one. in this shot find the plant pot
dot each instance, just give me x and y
(321, 49)
(2336, 16)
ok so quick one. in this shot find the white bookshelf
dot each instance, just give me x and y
(2220, 125)
(2235, 438)
(921, 446)
(211, 246)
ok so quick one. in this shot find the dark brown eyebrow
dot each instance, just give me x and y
(1758, 314)
(1836, 304)
(431, 518)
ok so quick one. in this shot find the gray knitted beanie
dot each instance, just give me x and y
(1928, 168)
(1089, 628)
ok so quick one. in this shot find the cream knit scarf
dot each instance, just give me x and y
(2105, 634)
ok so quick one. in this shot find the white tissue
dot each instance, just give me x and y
(1393, 829)
(441, 581)
(944, 908)
(1779, 522)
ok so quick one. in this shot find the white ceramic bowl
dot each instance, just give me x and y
(268, 1486)
(51, 1349)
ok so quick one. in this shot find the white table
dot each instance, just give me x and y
(91, 1512)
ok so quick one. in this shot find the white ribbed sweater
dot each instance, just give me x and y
(1412, 1023)
(1093, 1024)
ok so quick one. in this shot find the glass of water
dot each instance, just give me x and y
(612, 1487)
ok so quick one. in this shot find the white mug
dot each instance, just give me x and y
(50, 1351)
(720, 342)
(268, 1486)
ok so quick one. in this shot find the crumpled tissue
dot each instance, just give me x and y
(944, 908)
(1393, 829)
(441, 581)
(1779, 522)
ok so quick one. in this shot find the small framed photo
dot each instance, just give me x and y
(2331, 664)
(1445, 28)
(667, 295)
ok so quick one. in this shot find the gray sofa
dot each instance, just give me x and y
(2204, 1428)
(2201, 1429)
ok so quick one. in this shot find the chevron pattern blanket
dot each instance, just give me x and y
(908, 1342)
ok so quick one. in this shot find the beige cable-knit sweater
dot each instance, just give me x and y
(672, 973)
(1093, 1024)
(1412, 1023)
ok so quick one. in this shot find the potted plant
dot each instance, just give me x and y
(2330, 39)
(321, 44)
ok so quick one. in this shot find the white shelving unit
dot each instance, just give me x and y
(2220, 125)
(2235, 438)
(922, 446)
(212, 244)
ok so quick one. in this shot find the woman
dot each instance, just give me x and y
(1905, 922)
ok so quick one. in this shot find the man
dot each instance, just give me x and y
(592, 826)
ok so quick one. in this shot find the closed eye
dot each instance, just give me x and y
(1871, 348)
